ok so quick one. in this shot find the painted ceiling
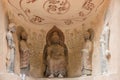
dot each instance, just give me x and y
(66, 12)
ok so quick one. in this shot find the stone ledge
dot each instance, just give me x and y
(78, 78)
(11, 76)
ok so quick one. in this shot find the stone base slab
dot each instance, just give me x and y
(11, 76)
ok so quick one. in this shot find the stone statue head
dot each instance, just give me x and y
(24, 35)
(92, 33)
(11, 27)
(89, 34)
(55, 38)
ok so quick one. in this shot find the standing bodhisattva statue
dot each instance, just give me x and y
(11, 45)
(104, 48)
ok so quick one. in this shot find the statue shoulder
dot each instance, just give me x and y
(9, 35)
(22, 43)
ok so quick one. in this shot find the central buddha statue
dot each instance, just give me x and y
(55, 56)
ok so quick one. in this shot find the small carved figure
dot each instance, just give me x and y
(11, 45)
(87, 53)
(104, 48)
(55, 55)
(24, 55)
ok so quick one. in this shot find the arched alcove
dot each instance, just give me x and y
(72, 23)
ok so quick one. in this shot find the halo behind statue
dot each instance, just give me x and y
(60, 34)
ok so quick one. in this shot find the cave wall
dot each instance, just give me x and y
(73, 39)
(3, 44)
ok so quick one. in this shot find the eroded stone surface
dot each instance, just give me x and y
(9, 76)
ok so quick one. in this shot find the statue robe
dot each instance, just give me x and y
(24, 55)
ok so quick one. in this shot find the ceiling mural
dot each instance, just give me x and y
(56, 6)
(63, 11)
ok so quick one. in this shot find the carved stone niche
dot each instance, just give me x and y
(55, 54)
(87, 53)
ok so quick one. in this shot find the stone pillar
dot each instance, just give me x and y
(3, 42)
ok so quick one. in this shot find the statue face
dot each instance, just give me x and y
(13, 30)
(55, 37)
(91, 33)
(87, 35)
(24, 36)
(12, 27)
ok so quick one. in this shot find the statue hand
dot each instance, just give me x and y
(13, 46)
(108, 55)
(8, 57)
